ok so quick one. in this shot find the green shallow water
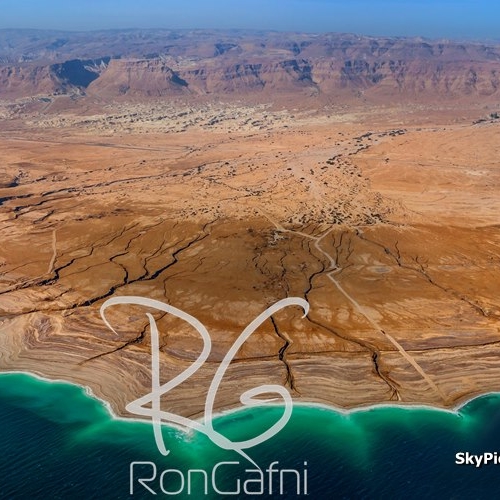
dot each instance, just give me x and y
(57, 442)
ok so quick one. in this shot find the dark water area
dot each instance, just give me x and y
(59, 443)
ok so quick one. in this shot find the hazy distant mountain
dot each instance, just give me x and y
(144, 63)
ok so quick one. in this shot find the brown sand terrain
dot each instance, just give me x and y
(385, 221)
(220, 172)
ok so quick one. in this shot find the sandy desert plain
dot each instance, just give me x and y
(384, 217)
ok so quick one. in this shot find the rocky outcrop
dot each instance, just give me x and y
(20, 81)
(29, 79)
(138, 78)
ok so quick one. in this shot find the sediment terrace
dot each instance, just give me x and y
(387, 226)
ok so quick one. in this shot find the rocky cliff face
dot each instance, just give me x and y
(152, 65)
(149, 77)
(32, 79)
(20, 81)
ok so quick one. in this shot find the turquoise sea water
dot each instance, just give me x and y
(56, 442)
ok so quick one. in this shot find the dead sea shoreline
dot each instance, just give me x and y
(230, 411)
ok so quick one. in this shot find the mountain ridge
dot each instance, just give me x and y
(144, 63)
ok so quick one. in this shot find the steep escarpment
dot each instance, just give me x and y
(79, 73)
(165, 63)
(66, 77)
(20, 81)
(138, 77)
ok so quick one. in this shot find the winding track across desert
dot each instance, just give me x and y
(330, 273)
(220, 196)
